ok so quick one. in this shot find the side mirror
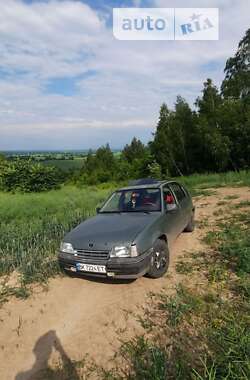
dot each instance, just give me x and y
(98, 209)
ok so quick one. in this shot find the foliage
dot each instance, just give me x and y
(161, 146)
(154, 170)
(133, 151)
(98, 167)
(186, 142)
(215, 137)
(237, 81)
(103, 166)
(26, 176)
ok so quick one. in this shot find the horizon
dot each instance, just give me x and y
(54, 150)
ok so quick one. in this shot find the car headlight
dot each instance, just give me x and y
(67, 248)
(124, 251)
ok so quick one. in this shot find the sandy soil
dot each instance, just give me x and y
(81, 316)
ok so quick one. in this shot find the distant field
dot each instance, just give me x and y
(65, 165)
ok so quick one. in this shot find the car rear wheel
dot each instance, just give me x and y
(159, 260)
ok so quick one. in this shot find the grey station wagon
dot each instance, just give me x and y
(131, 234)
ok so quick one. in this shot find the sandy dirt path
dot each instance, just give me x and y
(79, 316)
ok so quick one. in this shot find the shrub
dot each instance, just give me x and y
(26, 176)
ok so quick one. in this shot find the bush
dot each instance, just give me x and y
(26, 176)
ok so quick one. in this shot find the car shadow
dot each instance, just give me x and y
(42, 351)
(101, 280)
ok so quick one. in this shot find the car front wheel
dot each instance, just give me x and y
(159, 260)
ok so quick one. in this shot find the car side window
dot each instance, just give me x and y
(168, 197)
(178, 191)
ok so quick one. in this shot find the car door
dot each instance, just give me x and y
(183, 203)
(187, 205)
(172, 218)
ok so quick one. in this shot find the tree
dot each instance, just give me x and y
(174, 139)
(27, 176)
(234, 119)
(182, 132)
(237, 80)
(89, 164)
(134, 150)
(161, 145)
(99, 167)
(2, 157)
(214, 145)
(210, 101)
(154, 170)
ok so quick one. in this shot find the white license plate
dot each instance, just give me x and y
(91, 268)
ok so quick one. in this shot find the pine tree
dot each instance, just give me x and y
(237, 81)
(135, 150)
(161, 146)
(214, 153)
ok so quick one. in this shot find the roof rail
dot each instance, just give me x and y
(143, 181)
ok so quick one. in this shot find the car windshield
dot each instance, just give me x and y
(134, 200)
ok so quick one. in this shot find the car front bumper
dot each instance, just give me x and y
(120, 268)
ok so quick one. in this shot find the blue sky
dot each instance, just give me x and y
(66, 82)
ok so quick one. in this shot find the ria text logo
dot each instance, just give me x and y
(166, 23)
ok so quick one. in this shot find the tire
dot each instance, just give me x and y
(191, 224)
(159, 260)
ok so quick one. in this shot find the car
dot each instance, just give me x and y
(131, 234)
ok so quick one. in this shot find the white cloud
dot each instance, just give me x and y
(49, 38)
(53, 39)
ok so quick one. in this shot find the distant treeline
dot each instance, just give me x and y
(43, 156)
(214, 137)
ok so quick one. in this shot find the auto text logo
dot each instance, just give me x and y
(166, 23)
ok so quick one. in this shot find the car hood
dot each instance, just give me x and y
(104, 231)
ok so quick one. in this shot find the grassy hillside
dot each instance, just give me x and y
(197, 183)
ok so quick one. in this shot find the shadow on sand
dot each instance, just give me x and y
(41, 370)
(102, 280)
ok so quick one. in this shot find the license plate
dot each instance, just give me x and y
(91, 268)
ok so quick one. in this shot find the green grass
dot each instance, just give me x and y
(32, 226)
(198, 183)
(199, 333)
(232, 242)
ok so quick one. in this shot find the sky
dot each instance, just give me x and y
(67, 83)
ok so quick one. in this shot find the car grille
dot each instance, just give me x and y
(89, 255)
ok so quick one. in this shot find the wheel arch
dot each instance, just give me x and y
(163, 237)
